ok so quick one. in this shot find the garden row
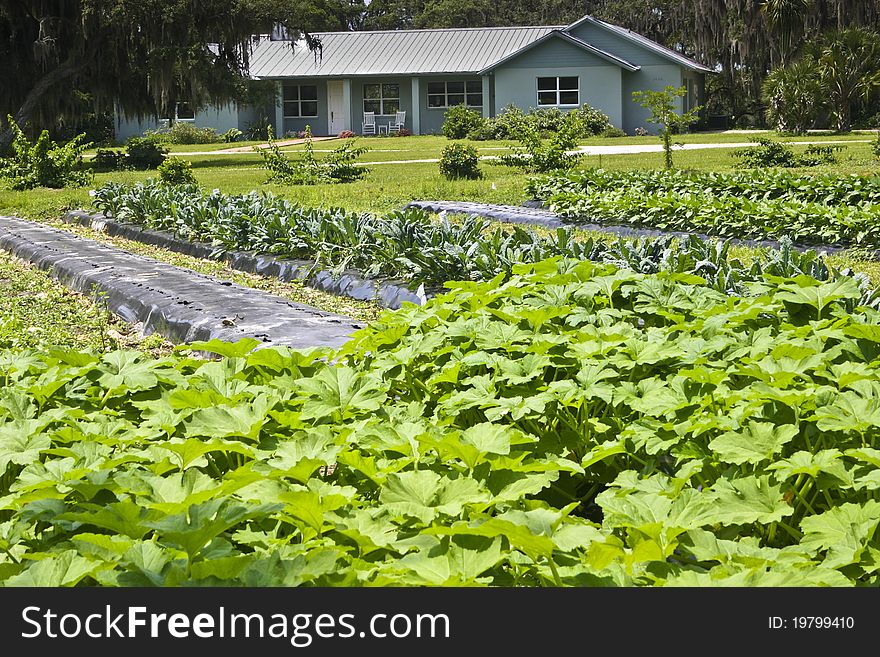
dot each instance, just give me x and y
(574, 425)
(828, 210)
(409, 245)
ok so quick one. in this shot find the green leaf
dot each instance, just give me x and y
(844, 532)
(65, 568)
(754, 443)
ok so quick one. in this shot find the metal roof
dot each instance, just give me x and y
(644, 41)
(394, 52)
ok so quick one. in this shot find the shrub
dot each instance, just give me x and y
(403, 132)
(793, 96)
(107, 159)
(459, 121)
(611, 131)
(460, 161)
(769, 153)
(337, 167)
(536, 156)
(346, 134)
(187, 133)
(258, 129)
(231, 135)
(641, 132)
(44, 163)
(591, 121)
(144, 152)
(876, 146)
(176, 171)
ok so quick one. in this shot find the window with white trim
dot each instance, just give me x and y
(183, 112)
(383, 99)
(559, 91)
(300, 100)
(450, 94)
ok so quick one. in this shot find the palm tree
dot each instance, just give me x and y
(785, 18)
(849, 67)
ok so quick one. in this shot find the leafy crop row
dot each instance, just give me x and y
(754, 184)
(719, 205)
(409, 245)
(573, 425)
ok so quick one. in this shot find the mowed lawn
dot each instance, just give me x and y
(37, 307)
(389, 186)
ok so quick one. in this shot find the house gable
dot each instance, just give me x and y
(628, 44)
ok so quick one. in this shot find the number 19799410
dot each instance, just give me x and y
(811, 622)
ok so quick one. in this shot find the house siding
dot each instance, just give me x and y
(599, 80)
(620, 46)
(357, 100)
(220, 118)
(649, 77)
(432, 118)
(317, 124)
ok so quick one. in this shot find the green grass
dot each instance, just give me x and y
(390, 186)
(36, 311)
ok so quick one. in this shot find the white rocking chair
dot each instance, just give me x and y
(368, 127)
(395, 125)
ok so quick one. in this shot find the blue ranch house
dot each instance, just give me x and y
(376, 81)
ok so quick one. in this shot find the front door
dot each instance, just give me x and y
(337, 120)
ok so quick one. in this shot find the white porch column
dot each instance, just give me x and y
(279, 109)
(487, 109)
(416, 107)
(346, 100)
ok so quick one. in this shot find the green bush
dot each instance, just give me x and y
(176, 171)
(231, 135)
(459, 121)
(587, 121)
(535, 155)
(144, 152)
(188, 133)
(611, 131)
(592, 121)
(107, 159)
(44, 163)
(769, 153)
(460, 161)
(338, 167)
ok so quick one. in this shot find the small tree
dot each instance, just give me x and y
(662, 107)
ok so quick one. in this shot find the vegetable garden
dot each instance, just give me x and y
(575, 424)
(568, 410)
(758, 204)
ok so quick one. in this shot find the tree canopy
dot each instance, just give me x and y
(64, 57)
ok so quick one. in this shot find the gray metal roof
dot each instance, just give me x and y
(644, 41)
(395, 52)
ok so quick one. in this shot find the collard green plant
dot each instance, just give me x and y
(409, 245)
(829, 210)
(44, 163)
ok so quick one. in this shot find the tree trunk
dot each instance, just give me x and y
(75, 62)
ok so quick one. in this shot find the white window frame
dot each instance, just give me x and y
(299, 102)
(446, 94)
(557, 91)
(382, 99)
